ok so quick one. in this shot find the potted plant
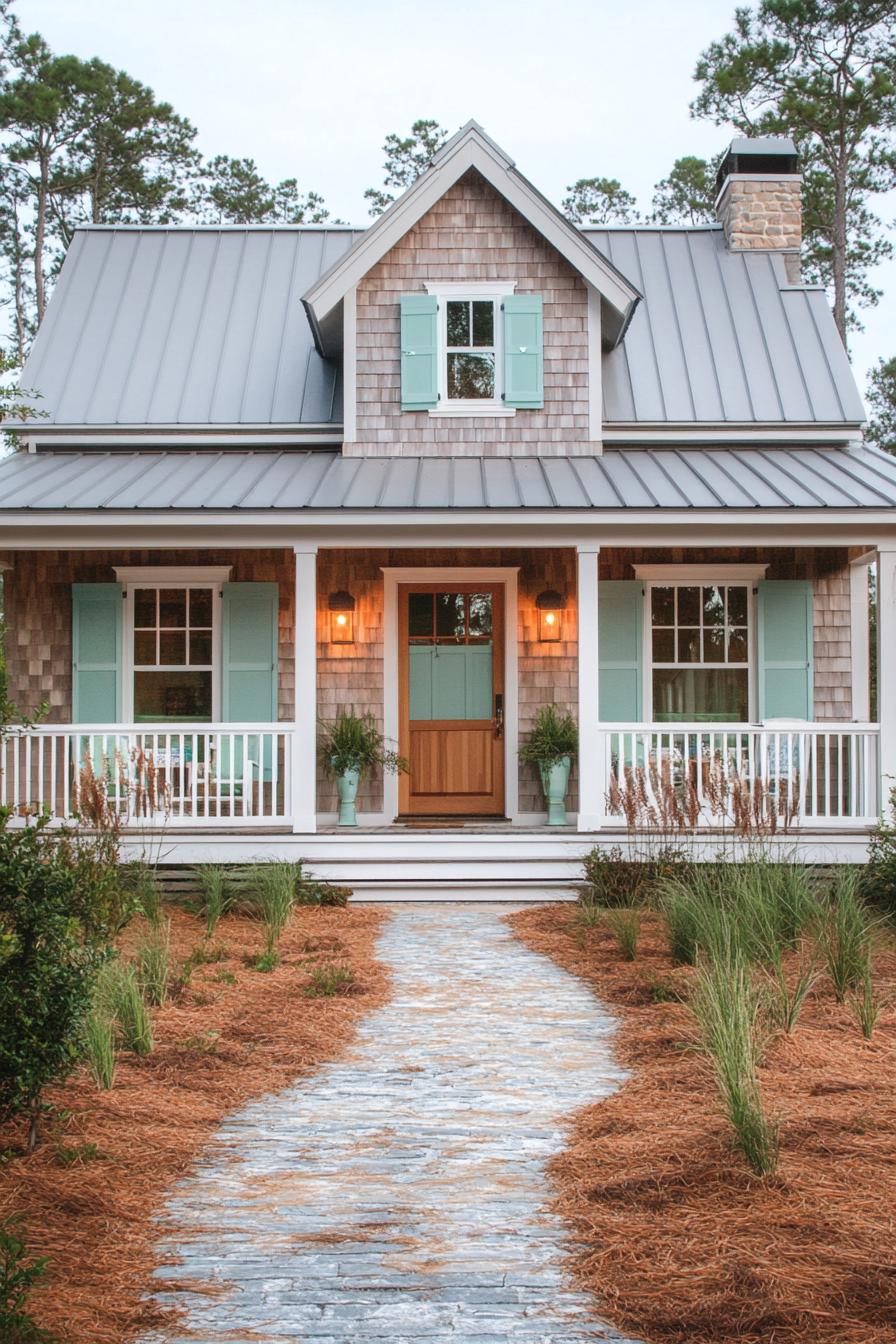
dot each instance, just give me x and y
(552, 747)
(350, 746)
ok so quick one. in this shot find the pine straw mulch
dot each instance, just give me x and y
(680, 1241)
(217, 1046)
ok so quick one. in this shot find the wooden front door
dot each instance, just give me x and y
(451, 670)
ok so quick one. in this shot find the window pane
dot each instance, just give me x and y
(172, 695)
(450, 615)
(713, 606)
(664, 646)
(737, 646)
(471, 377)
(688, 606)
(737, 606)
(145, 607)
(173, 607)
(480, 615)
(483, 322)
(713, 695)
(458, 322)
(145, 647)
(420, 615)
(689, 646)
(662, 606)
(200, 606)
(201, 646)
(172, 649)
(714, 644)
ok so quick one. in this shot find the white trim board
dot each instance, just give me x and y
(393, 576)
(472, 148)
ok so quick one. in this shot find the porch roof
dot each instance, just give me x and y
(737, 478)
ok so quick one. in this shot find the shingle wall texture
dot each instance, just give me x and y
(472, 234)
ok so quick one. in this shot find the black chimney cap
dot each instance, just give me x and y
(773, 155)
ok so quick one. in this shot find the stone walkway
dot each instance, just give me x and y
(399, 1194)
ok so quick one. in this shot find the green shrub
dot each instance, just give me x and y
(154, 964)
(617, 878)
(879, 878)
(19, 1273)
(99, 1048)
(330, 980)
(265, 961)
(61, 905)
(625, 926)
(322, 893)
(844, 930)
(215, 886)
(120, 997)
(728, 1009)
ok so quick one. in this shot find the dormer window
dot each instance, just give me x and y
(471, 364)
(472, 348)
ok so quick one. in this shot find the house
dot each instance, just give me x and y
(462, 464)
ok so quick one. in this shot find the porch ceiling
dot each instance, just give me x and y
(699, 479)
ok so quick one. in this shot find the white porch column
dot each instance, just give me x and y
(860, 636)
(592, 758)
(304, 742)
(886, 668)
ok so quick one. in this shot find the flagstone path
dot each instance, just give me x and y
(399, 1194)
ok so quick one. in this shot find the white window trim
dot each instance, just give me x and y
(659, 576)
(171, 576)
(495, 290)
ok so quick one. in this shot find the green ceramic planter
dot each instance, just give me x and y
(555, 781)
(347, 789)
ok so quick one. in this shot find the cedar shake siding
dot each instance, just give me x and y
(472, 234)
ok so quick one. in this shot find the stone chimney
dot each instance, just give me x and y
(759, 201)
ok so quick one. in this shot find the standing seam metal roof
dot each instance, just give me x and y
(187, 326)
(721, 337)
(673, 479)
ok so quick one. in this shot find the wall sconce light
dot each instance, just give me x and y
(549, 605)
(342, 618)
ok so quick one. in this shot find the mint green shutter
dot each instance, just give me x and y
(250, 653)
(97, 623)
(419, 352)
(620, 626)
(523, 351)
(785, 649)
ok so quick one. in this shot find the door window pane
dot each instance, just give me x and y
(420, 607)
(480, 615)
(450, 615)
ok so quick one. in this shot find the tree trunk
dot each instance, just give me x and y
(40, 233)
(838, 244)
(33, 1122)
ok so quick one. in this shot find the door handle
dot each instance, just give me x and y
(499, 715)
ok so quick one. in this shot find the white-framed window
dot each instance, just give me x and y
(172, 638)
(700, 643)
(471, 348)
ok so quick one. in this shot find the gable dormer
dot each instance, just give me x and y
(471, 317)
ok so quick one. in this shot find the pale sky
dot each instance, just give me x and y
(309, 90)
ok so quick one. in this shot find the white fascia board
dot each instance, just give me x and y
(165, 437)
(728, 432)
(472, 150)
(86, 530)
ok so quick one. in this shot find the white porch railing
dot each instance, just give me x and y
(814, 774)
(235, 774)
